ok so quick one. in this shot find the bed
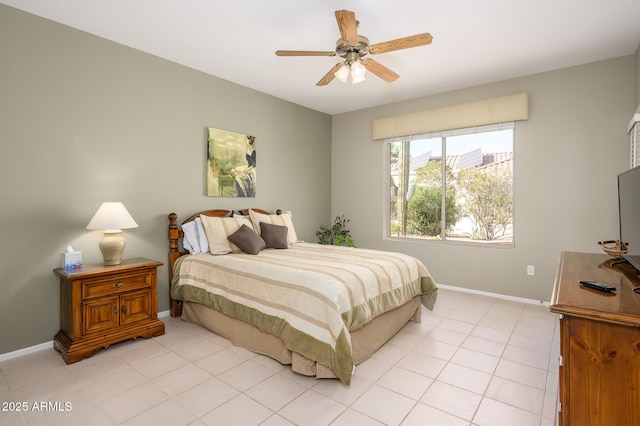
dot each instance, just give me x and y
(320, 309)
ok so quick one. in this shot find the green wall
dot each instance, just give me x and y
(84, 120)
(567, 157)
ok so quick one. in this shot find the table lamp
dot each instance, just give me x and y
(112, 217)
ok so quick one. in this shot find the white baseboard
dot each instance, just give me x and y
(496, 295)
(48, 345)
(25, 351)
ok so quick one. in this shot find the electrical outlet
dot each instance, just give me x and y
(530, 270)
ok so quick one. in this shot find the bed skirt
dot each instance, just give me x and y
(365, 341)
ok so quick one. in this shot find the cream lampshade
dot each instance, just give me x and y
(112, 217)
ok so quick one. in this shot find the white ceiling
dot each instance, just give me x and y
(474, 41)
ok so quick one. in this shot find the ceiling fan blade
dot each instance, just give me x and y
(380, 70)
(330, 75)
(401, 43)
(304, 53)
(348, 26)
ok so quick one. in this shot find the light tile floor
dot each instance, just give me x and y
(474, 360)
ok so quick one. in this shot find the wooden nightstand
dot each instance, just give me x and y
(101, 305)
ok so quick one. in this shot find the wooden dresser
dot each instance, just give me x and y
(599, 342)
(101, 305)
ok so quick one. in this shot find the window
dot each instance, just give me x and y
(454, 185)
(634, 132)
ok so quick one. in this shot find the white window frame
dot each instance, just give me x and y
(386, 158)
(634, 134)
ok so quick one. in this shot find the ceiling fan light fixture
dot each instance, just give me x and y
(353, 47)
(343, 73)
(357, 72)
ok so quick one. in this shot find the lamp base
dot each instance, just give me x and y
(112, 246)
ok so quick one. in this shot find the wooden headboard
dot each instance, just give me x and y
(175, 234)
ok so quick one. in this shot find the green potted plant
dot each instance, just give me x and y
(337, 235)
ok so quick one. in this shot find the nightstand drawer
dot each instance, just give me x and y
(114, 285)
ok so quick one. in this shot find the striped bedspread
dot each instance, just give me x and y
(310, 295)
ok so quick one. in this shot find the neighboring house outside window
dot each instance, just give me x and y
(452, 186)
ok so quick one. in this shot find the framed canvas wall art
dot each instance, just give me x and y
(231, 164)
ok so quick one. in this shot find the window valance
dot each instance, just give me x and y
(478, 113)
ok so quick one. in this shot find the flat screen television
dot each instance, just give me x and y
(629, 213)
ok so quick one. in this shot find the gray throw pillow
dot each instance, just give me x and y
(275, 236)
(247, 240)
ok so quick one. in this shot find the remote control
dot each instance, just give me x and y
(597, 286)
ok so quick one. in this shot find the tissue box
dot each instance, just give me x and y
(71, 261)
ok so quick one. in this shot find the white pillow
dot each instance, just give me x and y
(195, 239)
(284, 219)
(202, 236)
(190, 239)
(218, 229)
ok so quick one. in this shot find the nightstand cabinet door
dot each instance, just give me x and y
(99, 315)
(135, 307)
(102, 305)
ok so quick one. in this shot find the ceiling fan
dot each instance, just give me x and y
(353, 48)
